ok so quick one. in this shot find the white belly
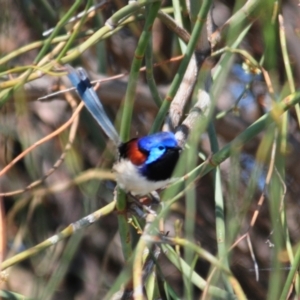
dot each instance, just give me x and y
(130, 180)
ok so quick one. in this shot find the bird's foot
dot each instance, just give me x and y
(142, 204)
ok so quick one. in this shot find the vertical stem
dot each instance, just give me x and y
(126, 121)
(134, 72)
(219, 205)
(201, 17)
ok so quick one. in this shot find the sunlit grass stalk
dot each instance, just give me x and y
(27, 75)
(216, 263)
(284, 138)
(56, 30)
(287, 63)
(110, 24)
(46, 67)
(197, 280)
(138, 284)
(74, 53)
(8, 295)
(74, 33)
(68, 231)
(102, 33)
(20, 69)
(37, 44)
(283, 149)
(4, 95)
(151, 287)
(276, 280)
(202, 253)
(291, 276)
(128, 10)
(284, 129)
(241, 52)
(62, 268)
(27, 48)
(183, 66)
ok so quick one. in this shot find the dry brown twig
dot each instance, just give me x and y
(72, 133)
(256, 212)
(43, 140)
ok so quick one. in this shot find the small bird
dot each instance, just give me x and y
(144, 164)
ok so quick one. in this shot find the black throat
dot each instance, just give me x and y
(163, 167)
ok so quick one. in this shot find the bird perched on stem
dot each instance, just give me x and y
(145, 164)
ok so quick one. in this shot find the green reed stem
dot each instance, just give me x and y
(219, 205)
(249, 133)
(178, 19)
(198, 281)
(5, 95)
(284, 138)
(8, 295)
(57, 29)
(291, 276)
(183, 66)
(150, 76)
(126, 119)
(134, 72)
(123, 226)
(74, 33)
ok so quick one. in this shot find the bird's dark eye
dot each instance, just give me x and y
(161, 147)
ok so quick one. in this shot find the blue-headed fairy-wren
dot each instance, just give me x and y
(145, 164)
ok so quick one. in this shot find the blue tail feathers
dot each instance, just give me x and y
(81, 82)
